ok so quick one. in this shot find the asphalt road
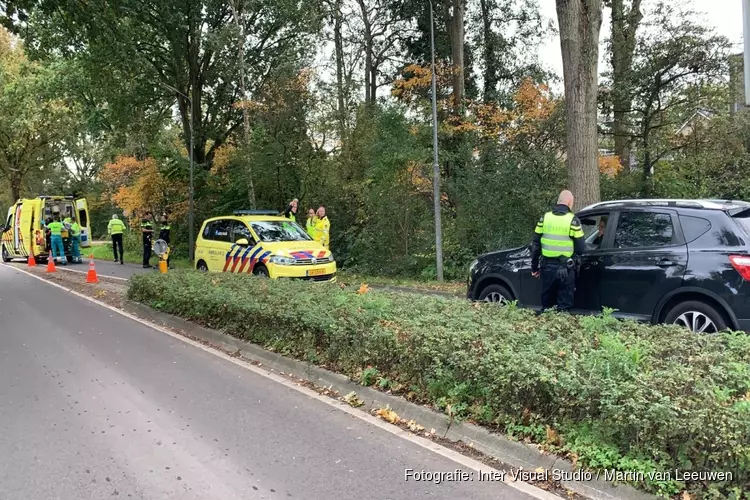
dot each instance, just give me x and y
(94, 405)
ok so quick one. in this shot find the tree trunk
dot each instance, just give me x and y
(373, 82)
(456, 26)
(338, 41)
(369, 95)
(490, 58)
(250, 186)
(580, 22)
(624, 27)
(16, 179)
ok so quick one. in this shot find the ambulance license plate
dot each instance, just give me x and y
(316, 272)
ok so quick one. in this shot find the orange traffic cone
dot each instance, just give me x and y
(51, 264)
(31, 262)
(91, 276)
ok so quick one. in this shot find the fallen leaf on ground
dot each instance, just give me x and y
(414, 427)
(388, 415)
(363, 289)
(353, 400)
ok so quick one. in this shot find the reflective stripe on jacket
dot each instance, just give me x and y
(311, 228)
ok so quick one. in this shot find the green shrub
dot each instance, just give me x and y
(611, 394)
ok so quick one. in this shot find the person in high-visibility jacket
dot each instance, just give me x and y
(322, 227)
(66, 235)
(74, 234)
(558, 237)
(55, 230)
(165, 230)
(310, 223)
(291, 210)
(115, 228)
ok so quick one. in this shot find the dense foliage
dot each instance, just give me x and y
(608, 394)
(330, 102)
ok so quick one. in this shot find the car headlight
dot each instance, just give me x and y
(284, 261)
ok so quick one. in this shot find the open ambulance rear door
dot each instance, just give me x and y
(82, 207)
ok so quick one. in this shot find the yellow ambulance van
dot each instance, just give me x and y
(24, 233)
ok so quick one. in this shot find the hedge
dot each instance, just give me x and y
(609, 394)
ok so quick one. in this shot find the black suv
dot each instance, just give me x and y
(664, 261)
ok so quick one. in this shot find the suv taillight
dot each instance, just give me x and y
(742, 264)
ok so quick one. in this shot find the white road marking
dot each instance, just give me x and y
(63, 268)
(427, 444)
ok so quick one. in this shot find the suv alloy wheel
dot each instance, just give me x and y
(698, 317)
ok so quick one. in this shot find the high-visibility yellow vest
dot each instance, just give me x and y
(55, 228)
(322, 231)
(311, 227)
(116, 226)
(557, 234)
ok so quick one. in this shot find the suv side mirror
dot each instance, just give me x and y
(242, 242)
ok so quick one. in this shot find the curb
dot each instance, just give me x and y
(510, 453)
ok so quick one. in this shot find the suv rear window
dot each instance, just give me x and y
(643, 230)
(744, 222)
(693, 227)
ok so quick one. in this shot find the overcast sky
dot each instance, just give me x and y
(724, 15)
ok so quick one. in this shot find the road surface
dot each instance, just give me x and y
(96, 405)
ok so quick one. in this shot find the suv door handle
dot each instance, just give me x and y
(666, 263)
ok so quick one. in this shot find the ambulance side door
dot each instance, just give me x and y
(82, 212)
(24, 222)
(242, 255)
(7, 236)
(220, 244)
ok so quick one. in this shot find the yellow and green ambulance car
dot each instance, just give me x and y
(23, 233)
(262, 243)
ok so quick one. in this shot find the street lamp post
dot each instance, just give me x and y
(191, 224)
(746, 51)
(435, 164)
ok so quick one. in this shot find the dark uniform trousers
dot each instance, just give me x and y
(146, 251)
(117, 245)
(556, 289)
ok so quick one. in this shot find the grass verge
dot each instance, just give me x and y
(456, 288)
(607, 394)
(103, 251)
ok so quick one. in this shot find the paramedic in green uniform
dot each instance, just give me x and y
(55, 230)
(75, 242)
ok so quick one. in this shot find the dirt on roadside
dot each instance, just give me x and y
(110, 291)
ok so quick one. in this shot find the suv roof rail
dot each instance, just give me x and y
(712, 204)
(255, 212)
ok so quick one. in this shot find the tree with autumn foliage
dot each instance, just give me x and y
(138, 186)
